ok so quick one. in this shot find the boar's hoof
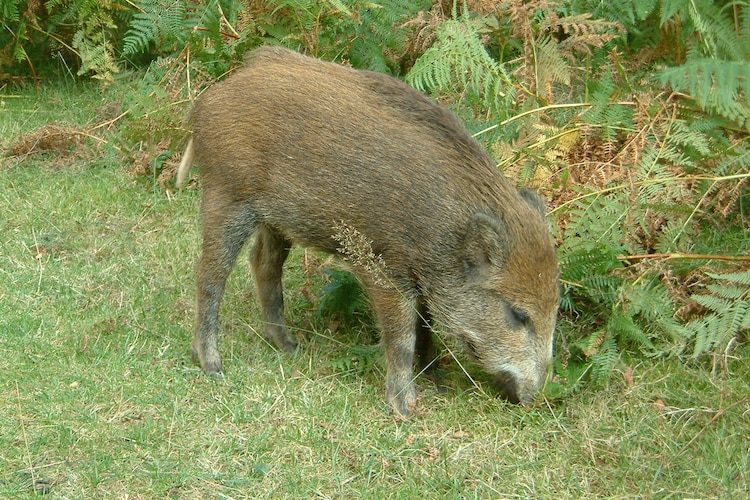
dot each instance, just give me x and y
(212, 368)
(403, 403)
(287, 345)
(282, 339)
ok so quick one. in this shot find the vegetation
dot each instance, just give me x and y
(631, 118)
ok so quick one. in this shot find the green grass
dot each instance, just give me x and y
(99, 397)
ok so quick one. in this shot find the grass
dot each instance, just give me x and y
(99, 397)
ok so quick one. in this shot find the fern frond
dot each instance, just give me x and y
(590, 344)
(716, 30)
(623, 327)
(729, 311)
(586, 270)
(649, 304)
(97, 55)
(686, 135)
(715, 85)
(9, 13)
(459, 61)
(604, 361)
(599, 218)
(741, 278)
(606, 113)
(582, 32)
(169, 24)
(551, 66)
(380, 31)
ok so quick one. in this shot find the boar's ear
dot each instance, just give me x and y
(532, 198)
(487, 242)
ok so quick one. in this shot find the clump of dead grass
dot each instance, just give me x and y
(357, 250)
(61, 138)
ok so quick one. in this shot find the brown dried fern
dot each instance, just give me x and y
(61, 138)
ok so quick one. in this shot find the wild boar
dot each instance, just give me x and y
(297, 150)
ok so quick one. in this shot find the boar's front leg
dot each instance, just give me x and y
(397, 316)
(225, 227)
(267, 259)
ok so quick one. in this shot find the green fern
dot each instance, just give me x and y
(10, 12)
(370, 35)
(728, 312)
(717, 86)
(598, 217)
(379, 32)
(650, 326)
(361, 359)
(94, 39)
(630, 14)
(550, 62)
(342, 295)
(604, 361)
(716, 74)
(458, 62)
(171, 25)
(156, 21)
(610, 117)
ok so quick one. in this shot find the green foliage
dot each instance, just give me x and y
(342, 296)
(703, 43)
(370, 35)
(718, 86)
(621, 313)
(358, 360)
(611, 117)
(156, 21)
(13, 33)
(632, 308)
(204, 28)
(728, 317)
(100, 33)
(459, 63)
(89, 30)
(95, 40)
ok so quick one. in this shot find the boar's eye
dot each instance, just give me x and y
(519, 316)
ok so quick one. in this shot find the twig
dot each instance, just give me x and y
(222, 33)
(670, 256)
(541, 109)
(110, 122)
(716, 416)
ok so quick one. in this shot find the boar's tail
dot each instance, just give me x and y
(185, 164)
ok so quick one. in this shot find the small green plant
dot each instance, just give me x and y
(358, 360)
(342, 296)
(715, 73)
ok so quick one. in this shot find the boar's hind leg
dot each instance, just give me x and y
(267, 258)
(225, 229)
(397, 316)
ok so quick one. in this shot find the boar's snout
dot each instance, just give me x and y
(519, 388)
